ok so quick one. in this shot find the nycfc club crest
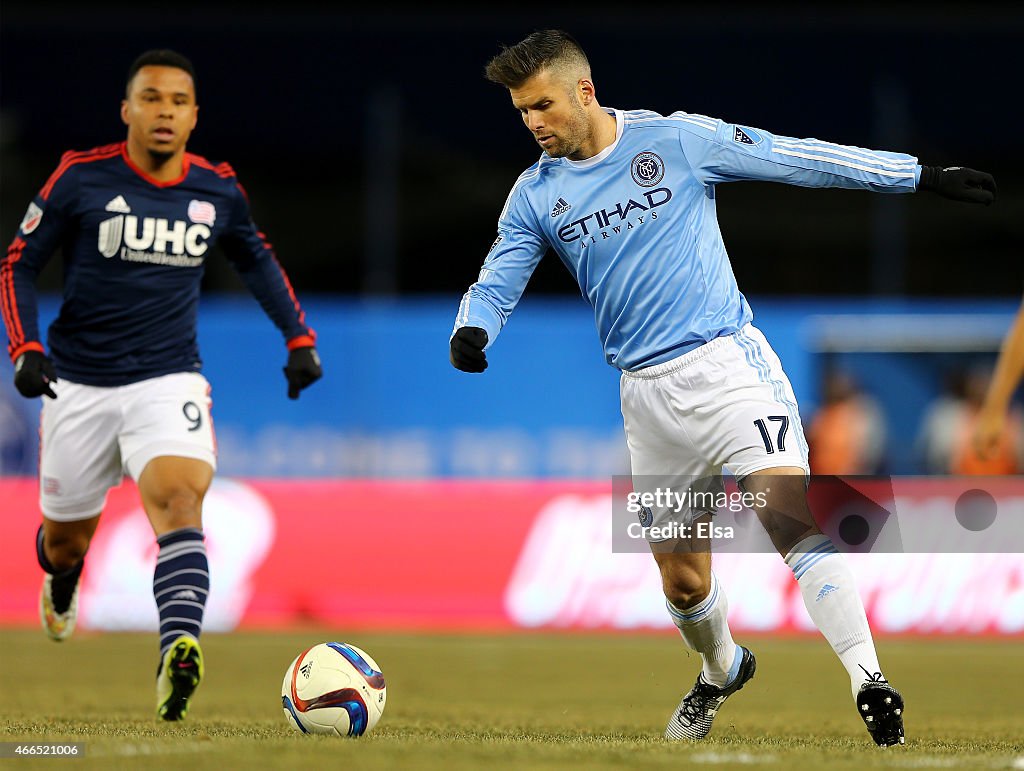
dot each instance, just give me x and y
(646, 516)
(648, 169)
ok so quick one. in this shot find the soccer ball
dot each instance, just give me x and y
(333, 688)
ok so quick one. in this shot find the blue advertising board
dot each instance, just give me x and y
(390, 405)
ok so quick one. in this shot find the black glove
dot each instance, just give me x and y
(958, 183)
(303, 370)
(467, 351)
(33, 373)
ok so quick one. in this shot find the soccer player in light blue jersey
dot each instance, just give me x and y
(626, 198)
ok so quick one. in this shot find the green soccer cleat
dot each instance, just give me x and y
(180, 673)
(58, 626)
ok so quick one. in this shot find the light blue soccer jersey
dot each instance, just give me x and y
(636, 225)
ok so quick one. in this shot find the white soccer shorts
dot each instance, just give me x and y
(91, 436)
(726, 404)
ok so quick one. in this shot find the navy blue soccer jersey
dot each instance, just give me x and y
(134, 254)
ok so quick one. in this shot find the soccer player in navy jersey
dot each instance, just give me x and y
(626, 199)
(135, 221)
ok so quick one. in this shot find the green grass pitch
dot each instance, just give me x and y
(513, 701)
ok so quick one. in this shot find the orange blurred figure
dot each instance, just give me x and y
(847, 434)
(988, 435)
(990, 426)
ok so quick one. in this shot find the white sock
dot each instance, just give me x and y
(705, 628)
(831, 598)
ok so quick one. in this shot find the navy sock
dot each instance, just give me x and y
(181, 583)
(62, 587)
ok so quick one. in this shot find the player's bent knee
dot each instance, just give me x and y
(684, 598)
(172, 490)
(173, 507)
(685, 588)
(685, 577)
(64, 551)
(177, 508)
(182, 501)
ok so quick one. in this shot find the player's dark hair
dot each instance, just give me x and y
(159, 57)
(514, 65)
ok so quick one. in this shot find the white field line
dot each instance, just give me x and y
(740, 758)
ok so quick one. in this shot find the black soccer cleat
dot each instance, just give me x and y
(881, 707)
(695, 713)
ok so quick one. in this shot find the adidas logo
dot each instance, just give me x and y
(824, 591)
(306, 669)
(561, 207)
(119, 205)
(185, 594)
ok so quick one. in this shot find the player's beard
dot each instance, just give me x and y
(577, 132)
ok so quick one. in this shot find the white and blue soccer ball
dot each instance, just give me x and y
(333, 688)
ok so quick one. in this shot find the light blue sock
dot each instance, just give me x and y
(734, 670)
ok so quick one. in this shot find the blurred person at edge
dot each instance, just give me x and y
(847, 434)
(995, 424)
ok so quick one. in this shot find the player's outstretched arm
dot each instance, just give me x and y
(725, 152)
(958, 183)
(1009, 369)
(467, 349)
(33, 374)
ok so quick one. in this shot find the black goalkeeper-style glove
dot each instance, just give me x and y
(958, 183)
(33, 373)
(303, 370)
(467, 349)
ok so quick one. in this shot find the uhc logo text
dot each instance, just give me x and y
(152, 235)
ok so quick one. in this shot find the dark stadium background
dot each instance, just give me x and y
(377, 157)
